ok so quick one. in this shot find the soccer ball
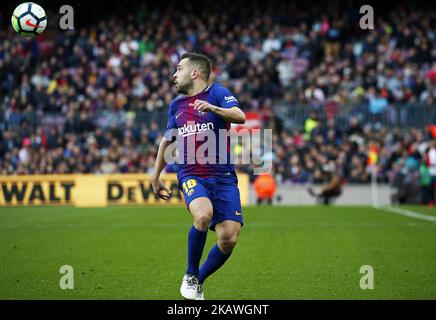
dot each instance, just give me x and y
(29, 19)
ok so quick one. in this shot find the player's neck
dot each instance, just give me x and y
(197, 88)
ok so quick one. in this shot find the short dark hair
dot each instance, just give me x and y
(201, 61)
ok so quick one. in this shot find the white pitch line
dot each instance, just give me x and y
(407, 213)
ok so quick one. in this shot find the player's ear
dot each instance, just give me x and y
(194, 74)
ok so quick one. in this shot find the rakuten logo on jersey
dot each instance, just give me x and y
(195, 128)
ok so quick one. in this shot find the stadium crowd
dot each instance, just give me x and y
(297, 53)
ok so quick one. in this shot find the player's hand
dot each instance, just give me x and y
(202, 106)
(161, 189)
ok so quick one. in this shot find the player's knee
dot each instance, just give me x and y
(202, 221)
(228, 242)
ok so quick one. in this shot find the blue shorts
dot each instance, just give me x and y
(224, 196)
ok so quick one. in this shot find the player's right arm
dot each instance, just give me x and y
(158, 186)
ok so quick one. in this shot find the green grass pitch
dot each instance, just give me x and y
(283, 253)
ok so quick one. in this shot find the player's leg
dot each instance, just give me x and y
(227, 221)
(196, 197)
(201, 210)
(227, 233)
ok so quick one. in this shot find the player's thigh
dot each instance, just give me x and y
(197, 197)
(201, 207)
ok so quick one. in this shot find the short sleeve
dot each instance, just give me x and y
(171, 124)
(224, 98)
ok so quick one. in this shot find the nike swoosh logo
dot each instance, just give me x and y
(179, 115)
(30, 24)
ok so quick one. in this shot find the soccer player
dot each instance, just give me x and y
(210, 188)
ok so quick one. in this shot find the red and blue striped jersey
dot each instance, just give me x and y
(203, 143)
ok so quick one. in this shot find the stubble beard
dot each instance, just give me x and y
(184, 88)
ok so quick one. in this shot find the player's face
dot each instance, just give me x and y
(182, 78)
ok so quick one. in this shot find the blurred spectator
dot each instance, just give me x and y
(425, 182)
(432, 168)
(95, 99)
(265, 188)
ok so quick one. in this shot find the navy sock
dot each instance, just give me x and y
(214, 261)
(196, 242)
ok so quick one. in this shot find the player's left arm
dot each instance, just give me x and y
(233, 114)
